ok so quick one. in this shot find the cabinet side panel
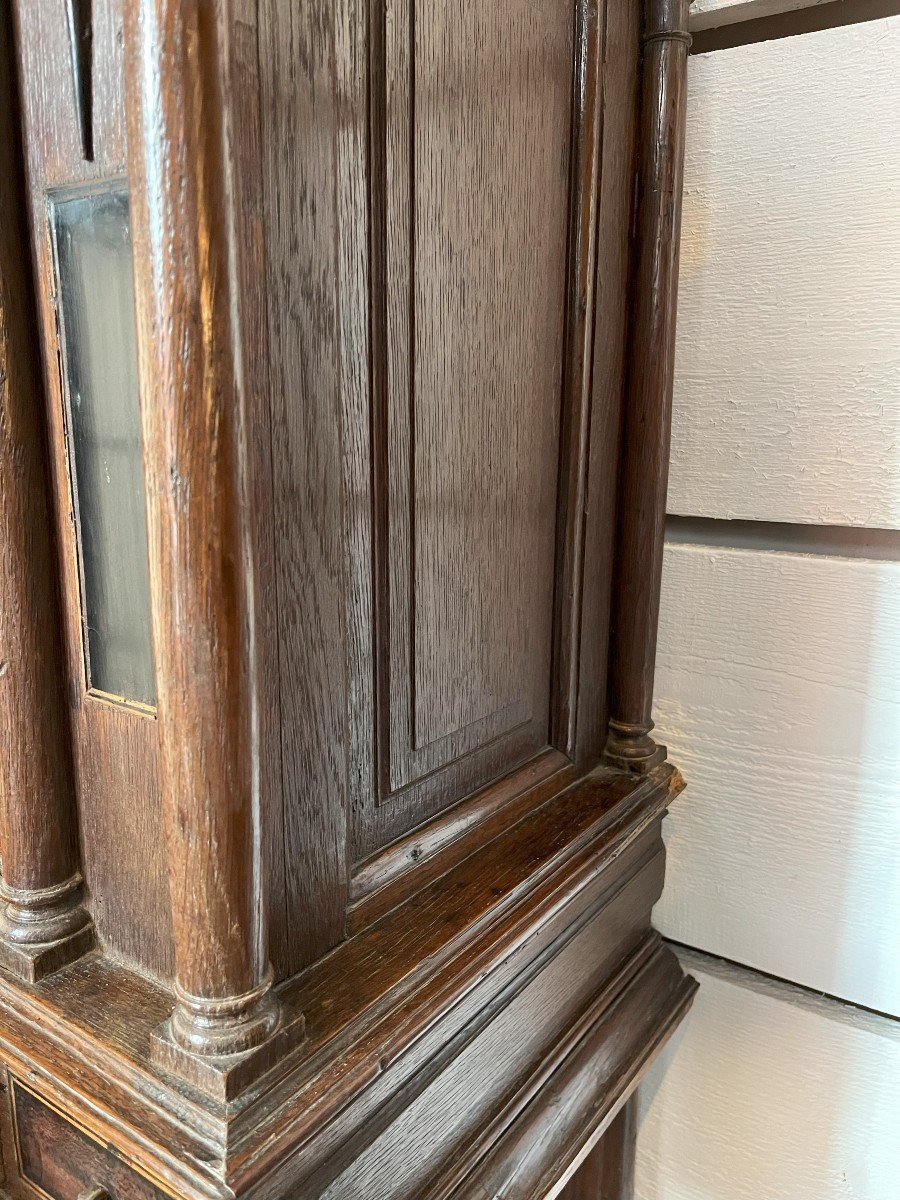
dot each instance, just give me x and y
(299, 111)
(470, 156)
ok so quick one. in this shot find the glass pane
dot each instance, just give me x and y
(96, 294)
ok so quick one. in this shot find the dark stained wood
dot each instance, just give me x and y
(614, 207)
(383, 880)
(328, 312)
(299, 130)
(584, 197)
(619, 1144)
(509, 1141)
(44, 924)
(435, 235)
(63, 1162)
(248, 215)
(201, 556)
(383, 264)
(648, 411)
(115, 748)
(472, 295)
(608, 1171)
(385, 1012)
(571, 1098)
(81, 36)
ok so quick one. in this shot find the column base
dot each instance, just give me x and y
(43, 929)
(224, 1076)
(630, 748)
(34, 961)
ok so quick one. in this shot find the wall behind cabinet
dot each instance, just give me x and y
(778, 691)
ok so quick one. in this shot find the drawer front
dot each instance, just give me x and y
(62, 1162)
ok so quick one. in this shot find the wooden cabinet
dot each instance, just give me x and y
(336, 351)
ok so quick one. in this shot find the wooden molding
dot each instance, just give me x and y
(580, 1087)
(386, 878)
(43, 925)
(648, 406)
(607, 1172)
(43, 929)
(381, 441)
(78, 16)
(590, 855)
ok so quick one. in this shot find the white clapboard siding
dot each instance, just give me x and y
(709, 14)
(778, 695)
(787, 393)
(770, 1094)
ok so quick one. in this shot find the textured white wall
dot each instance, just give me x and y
(707, 14)
(778, 693)
(778, 673)
(787, 402)
(771, 1094)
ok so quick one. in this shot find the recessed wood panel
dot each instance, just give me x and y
(60, 1162)
(471, 136)
(444, 419)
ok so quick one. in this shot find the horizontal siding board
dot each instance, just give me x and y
(710, 14)
(778, 695)
(787, 394)
(767, 1094)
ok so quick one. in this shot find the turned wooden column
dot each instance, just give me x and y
(43, 925)
(201, 557)
(648, 408)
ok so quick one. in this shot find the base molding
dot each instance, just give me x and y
(32, 962)
(223, 1077)
(531, 966)
(43, 929)
(561, 1115)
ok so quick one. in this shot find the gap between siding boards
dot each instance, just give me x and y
(835, 541)
(743, 976)
(792, 24)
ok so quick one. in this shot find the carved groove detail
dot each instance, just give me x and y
(408, 753)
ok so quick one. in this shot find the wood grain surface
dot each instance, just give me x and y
(77, 1163)
(590, 125)
(476, 221)
(202, 571)
(115, 748)
(299, 108)
(383, 270)
(38, 819)
(464, 281)
(608, 1171)
(648, 398)
(387, 1012)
